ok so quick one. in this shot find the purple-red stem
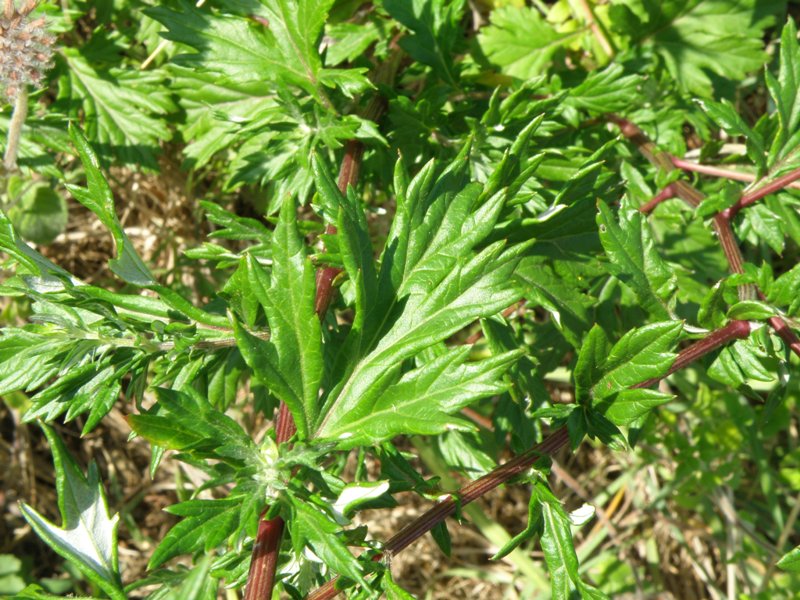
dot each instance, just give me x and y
(732, 331)
(264, 559)
(266, 547)
(668, 192)
(756, 195)
(722, 221)
(735, 330)
(348, 175)
(519, 464)
(687, 165)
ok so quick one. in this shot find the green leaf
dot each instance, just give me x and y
(198, 583)
(441, 536)
(751, 310)
(532, 528)
(424, 401)
(767, 225)
(354, 495)
(565, 302)
(295, 334)
(626, 406)
(217, 111)
(349, 41)
(356, 254)
(262, 357)
(785, 92)
(40, 214)
(435, 32)
(591, 362)
(124, 109)
(297, 26)
(476, 288)
(785, 290)
(392, 590)
(724, 114)
(740, 362)
(33, 262)
(699, 38)
(642, 354)
(791, 561)
(188, 422)
(182, 306)
(88, 535)
(37, 592)
(430, 283)
(234, 227)
(281, 45)
(520, 41)
(711, 313)
(559, 549)
(351, 82)
(11, 573)
(718, 201)
(206, 524)
(98, 198)
(605, 91)
(312, 526)
(634, 258)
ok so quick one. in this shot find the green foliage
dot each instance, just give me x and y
(520, 41)
(39, 214)
(493, 279)
(697, 40)
(88, 535)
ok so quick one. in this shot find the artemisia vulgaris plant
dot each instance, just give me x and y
(443, 238)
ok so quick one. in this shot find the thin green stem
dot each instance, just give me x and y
(15, 131)
(597, 29)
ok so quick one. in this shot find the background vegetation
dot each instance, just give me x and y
(542, 210)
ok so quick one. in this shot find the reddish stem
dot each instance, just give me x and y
(756, 195)
(264, 560)
(689, 194)
(521, 463)
(266, 548)
(735, 330)
(722, 221)
(785, 332)
(348, 175)
(687, 165)
(668, 192)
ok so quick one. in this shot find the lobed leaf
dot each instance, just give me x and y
(88, 534)
(634, 259)
(425, 400)
(290, 363)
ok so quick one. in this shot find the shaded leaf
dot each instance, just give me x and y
(88, 534)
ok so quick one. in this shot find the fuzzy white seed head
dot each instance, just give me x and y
(26, 49)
